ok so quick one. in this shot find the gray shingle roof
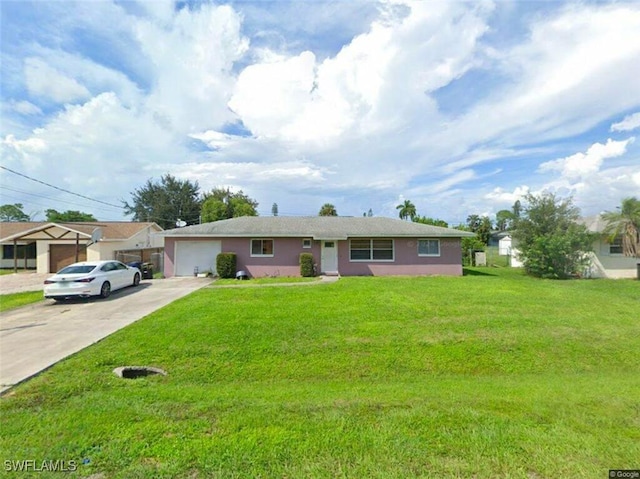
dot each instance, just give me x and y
(595, 224)
(316, 227)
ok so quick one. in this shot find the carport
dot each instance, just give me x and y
(62, 244)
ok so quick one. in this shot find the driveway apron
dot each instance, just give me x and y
(35, 337)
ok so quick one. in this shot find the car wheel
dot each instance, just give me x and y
(60, 300)
(136, 279)
(105, 291)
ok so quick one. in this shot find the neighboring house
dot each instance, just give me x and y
(349, 246)
(495, 237)
(48, 247)
(607, 260)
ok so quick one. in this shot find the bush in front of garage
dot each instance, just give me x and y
(306, 265)
(226, 265)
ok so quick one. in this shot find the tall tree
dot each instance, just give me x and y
(13, 213)
(484, 229)
(504, 219)
(480, 225)
(274, 209)
(222, 204)
(517, 209)
(165, 202)
(551, 242)
(328, 210)
(625, 223)
(473, 222)
(406, 210)
(69, 216)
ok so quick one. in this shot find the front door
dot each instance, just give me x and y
(329, 258)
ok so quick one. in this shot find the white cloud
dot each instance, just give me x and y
(501, 196)
(577, 68)
(213, 174)
(375, 84)
(100, 147)
(461, 176)
(268, 93)
(42, 80)
(193, 57)
(94, 77)
(24, 107)
(214, 139)
(630, 122)
(25, 151)
(583, 164)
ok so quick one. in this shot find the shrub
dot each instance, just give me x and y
(552, 243)
(306, 265)
(226, 265)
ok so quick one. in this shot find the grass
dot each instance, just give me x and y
(10, 271)
(15, 300)
(488, 375)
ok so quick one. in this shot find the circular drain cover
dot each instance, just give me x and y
(135, 372)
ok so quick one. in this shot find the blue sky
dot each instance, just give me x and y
(460, 107)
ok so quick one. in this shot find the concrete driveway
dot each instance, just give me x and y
(35, 337)
(20, 282)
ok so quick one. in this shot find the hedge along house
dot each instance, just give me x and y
(348, 246)
(48, 247)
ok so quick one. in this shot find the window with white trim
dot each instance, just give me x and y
(371, 250)
(428, 247)
(615, 247)
(261, 247)
(306, 243)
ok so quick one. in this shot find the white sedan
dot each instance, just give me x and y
(90, 278)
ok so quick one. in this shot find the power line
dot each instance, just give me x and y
(58, 188)
(57, 200)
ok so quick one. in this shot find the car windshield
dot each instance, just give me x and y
(79, 269)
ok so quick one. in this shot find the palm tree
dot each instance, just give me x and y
(328, 210)
(626, 223)
(407, 210)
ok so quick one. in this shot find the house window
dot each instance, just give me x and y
(615, 247)
(428, 247)
(371, 250)
(30, 249)
(306, 243)
(261, 247)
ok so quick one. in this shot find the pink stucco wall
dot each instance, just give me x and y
(286, 258)
(406, 261)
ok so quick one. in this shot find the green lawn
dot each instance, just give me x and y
(488, 375)
(15, 300)
(271, 280)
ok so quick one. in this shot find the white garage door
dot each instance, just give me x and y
(200, 254)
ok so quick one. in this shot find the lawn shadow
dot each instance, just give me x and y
(475, 272)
